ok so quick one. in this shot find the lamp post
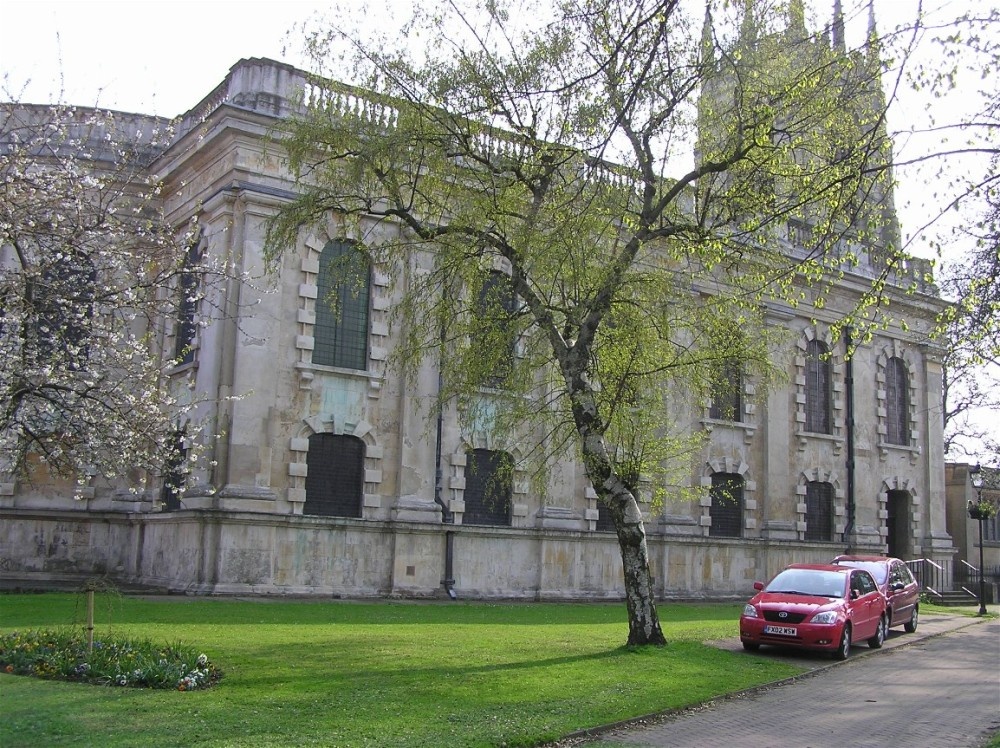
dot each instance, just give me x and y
(977, 512)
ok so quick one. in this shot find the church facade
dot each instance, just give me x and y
(324, 473)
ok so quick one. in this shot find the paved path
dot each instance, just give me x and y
(939, 687)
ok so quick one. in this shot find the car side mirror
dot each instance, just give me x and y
(897, 586)
(855, 594)
(758, 586)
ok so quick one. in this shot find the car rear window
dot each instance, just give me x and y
(875, 569)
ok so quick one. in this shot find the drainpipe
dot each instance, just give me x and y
(447, 517)
(849, 385)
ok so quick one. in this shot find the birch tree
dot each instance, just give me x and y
(551, 143)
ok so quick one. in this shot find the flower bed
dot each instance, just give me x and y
(113, 661)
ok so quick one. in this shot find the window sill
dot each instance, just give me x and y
(307, 372)
(183, 368)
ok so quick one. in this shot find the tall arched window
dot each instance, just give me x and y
(818, 381)
(343, 289)
(495, 338)
(897, 404)
(727, 392)
(64, 306)
(726, 510)
(187, 305)
(488, 487)
(335, 477)
(819, 511)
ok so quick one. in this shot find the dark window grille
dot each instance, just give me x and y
(819, 511)
(335, 477)
(187, 289)
(726, 510)
(64, 305)
(174, 475)
(896, 405)
(343, 289)
(727, 393)
(818, 388)
(496, 337)
(488, 487)
(604, 521)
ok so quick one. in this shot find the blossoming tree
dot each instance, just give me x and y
(89, 273)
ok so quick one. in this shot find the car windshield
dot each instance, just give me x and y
(808, 582)
(877, 570)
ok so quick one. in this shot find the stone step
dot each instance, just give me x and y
(955, 598)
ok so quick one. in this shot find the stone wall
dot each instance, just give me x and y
(225, 553)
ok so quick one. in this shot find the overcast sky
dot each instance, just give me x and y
(162, 58)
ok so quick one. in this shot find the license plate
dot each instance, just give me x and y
(780, 630)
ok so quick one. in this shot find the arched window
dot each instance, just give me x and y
(496, 337)
(335, 477)
(343, 288)
(64, 305)
(187, 304)
(488, 487)
(896, 402)
(818, 388)
(726, 510)
(819, 511)
(727, 392)
(174, 476)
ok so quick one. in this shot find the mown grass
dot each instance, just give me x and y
(329, 673)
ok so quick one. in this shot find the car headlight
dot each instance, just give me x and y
(829, 616)
(749, 611)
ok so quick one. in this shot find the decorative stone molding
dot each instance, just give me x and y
(298, 468)
(839, 508)
(902, 484)
(379, 306)
(457, 483)
(735, 465)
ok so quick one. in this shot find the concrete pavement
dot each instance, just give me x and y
(937, 687)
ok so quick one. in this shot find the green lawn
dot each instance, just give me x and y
(330, 673)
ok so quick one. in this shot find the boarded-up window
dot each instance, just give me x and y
(174, 474)
(336, 475)
(819, 511)
(488, 487)
(727, 506)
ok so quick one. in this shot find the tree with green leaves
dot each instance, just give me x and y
(948, 56)
(540, 152)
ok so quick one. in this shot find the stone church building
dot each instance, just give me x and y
(329, 478)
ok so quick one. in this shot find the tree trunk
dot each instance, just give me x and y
(643, 622)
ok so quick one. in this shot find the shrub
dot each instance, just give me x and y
(113, 661)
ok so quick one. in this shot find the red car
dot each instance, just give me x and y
(893, 577)
(823, 607)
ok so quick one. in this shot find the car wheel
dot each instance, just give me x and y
(844, 648)
(876, 641)
(910, 626)
(751, 646)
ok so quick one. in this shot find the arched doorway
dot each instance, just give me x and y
(898, 524)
